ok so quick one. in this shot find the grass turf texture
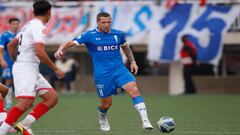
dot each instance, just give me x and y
(193, 114)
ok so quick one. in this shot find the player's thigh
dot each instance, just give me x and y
(25, 81)
(128, 82)
(44, 87)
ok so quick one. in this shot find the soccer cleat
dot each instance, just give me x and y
(23, 130)
(103, 121)
(147, 125)
(11, 130)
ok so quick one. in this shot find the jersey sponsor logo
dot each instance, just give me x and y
(98, 38)
(99, 48)
(107, 48)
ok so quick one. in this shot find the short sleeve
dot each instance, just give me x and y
(123, 39)
(18, 35)
(39, 34)
(81, 39)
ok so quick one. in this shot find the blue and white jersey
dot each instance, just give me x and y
(104, 49)
(6, 37)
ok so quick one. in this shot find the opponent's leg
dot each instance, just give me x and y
(105, 104)
(8, 99)
(3, 93)
(138, 102)
(15, 113)
(49, 100)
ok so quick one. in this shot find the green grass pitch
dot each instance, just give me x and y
(193, 114)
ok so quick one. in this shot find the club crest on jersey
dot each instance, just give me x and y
(107, 48)
(116, 38)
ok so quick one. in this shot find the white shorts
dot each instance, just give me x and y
(28, 82)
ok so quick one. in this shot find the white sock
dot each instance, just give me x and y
(3, 116)
(8, 97)
(141, 108)
(28, 121)
(4, 128)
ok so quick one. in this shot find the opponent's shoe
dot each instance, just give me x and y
(147, 125)
(23, 130)
(103, 121)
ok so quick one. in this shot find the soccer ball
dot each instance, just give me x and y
(166, 124)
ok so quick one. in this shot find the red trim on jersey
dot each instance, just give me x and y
(29, 97)
(44, 89)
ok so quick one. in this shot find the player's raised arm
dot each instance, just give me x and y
(128, 52)
(59, 53)
(12, 48)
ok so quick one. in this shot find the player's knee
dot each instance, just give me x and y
(3, 90)
(55, 100)
(106, 105)
(51, 102)
(133, 91)
(50, 98)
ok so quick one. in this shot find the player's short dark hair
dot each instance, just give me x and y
(13, 20)
(41, 7)
(102, 14)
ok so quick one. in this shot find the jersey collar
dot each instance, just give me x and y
(9, 31)
(102, 32)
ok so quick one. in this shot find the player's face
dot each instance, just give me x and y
(104, 24)
(14, 26)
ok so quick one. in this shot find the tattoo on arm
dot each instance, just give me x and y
(128, 52)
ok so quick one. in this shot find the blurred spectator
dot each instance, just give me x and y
(69, 66)
(189, 60)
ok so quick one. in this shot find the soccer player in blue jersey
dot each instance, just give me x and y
(103, 44)
(3, 92)
(7, 62)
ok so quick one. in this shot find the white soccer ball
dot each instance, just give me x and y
(166, 124)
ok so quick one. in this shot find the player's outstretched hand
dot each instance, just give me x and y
(59, 73)
(134, 67)
(58, 54)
